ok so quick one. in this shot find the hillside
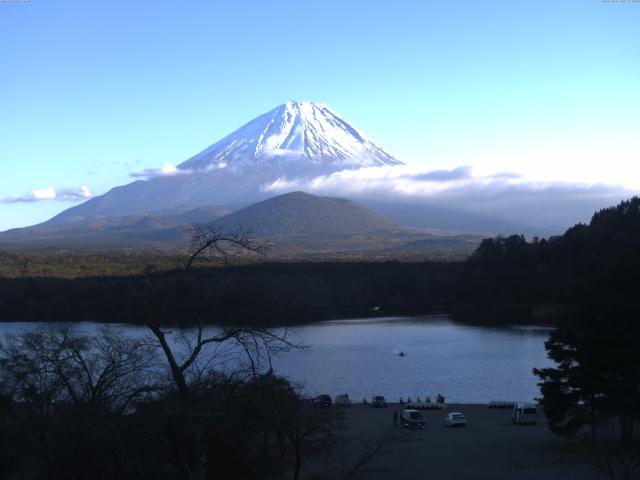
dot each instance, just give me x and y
(118, 232)
(506, 280)
(598, 261)
(299, 213)
(292, 226)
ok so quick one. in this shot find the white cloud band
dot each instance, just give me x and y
(502, 194)
(50, 193)
(167, 170)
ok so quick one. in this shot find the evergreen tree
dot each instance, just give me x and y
(597, 349)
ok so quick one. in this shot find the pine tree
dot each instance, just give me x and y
(597, 349)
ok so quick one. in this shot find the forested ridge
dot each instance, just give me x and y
(600, 260)
(264, 293)
(507, 279)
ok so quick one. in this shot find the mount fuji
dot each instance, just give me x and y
(300, 138)
(295, 140)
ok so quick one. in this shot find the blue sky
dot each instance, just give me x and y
(91, 92)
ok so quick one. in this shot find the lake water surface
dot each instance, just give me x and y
(361, 357)
(464, 363)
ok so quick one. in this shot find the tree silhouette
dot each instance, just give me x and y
(597, 349)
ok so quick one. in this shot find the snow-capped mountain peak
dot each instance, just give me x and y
(297, 140)
(295, 137)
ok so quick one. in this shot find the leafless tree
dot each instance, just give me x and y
(614, 458)
(56, 379)
(258, 345)
(210, 241)
(60, 364)
(310, 430)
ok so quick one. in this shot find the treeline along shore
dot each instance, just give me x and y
(506, 280)
(260, 293)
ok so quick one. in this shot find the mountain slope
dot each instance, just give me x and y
(299, 213)
(429, 215)
(290, 226)
(128, 230)
(294, 140)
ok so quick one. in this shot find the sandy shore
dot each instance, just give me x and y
(490, 447)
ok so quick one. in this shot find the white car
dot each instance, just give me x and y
(455, 419)
(378, 401)
(342, 400)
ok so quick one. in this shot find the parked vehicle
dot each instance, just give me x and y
(423, 405)
(378, 401)
(412, 419)
(455, 419)
(342, 400)
(500, 404)
(324, 400)
(524, 413)
(416, 405)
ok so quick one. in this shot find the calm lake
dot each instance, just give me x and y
(361, 357)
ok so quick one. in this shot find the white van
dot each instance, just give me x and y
(524, 413)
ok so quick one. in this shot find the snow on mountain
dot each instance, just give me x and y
(294, 138)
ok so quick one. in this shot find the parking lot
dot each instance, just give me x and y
(489, 447)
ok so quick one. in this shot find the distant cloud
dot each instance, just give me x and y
(214, 166)
(167, 170)
(47, 193)
(50, 193)
(397, 180)
(407, 181)
(444, 175)
(505, 194)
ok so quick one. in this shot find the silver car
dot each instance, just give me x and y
(455, 419)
